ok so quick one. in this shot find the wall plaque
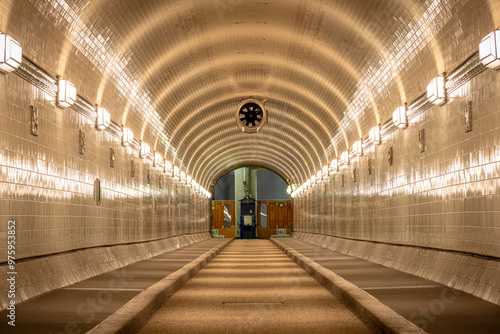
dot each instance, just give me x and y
(81, 142)
(421, 140)
(468, 116)
(111, 158)
(34, 120)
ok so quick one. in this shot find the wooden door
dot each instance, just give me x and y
(217, 215)
(281, 215)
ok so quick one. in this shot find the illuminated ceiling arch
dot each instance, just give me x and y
(174, 71)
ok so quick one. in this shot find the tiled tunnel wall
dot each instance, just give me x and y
(47, 186)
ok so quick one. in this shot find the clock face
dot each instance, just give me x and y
(251, 115)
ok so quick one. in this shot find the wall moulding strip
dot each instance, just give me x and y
(463, 73)
(418, 106)
(84, 108)
(37, 77)
(115, 130)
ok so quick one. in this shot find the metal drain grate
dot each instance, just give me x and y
(402, 287)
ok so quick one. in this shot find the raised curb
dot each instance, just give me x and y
(370, 309)
(132, 316)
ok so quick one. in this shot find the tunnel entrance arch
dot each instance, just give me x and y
(272, 203)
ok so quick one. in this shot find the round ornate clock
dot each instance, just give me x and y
(251, 115)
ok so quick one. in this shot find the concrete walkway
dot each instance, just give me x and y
(433, 307)
(79, 307)
(252, 287)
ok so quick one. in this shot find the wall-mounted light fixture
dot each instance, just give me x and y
(158, 160)
(325, 171)
(344, 158)
(188, 180)
(436, 90)
(66, 93)
(145, 150)
(11, 54)
(374, 135)
(103, 118)
(358, 148)
(127, 137)
(489, 50)
(176, 172)
(334, 166)
(399, 117)
(168, 167)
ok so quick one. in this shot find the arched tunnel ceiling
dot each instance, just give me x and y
(329, 70)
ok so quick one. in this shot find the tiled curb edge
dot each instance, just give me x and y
(384, 319)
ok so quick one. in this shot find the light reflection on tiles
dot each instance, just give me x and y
(52, 199)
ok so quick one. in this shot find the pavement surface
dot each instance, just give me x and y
(253, 287)
(432, 306)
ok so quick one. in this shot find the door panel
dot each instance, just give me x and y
(217, 215)
(271, 217)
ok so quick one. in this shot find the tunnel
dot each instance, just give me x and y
(378, 121)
